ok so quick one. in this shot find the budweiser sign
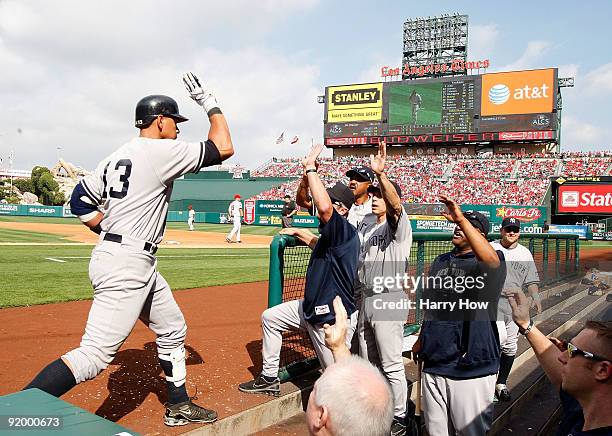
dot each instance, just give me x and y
(587, 198)
(524, 214)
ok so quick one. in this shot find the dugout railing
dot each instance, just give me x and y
(556, 258)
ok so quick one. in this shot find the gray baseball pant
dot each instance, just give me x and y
(504, 312)
(381, 339)
(126, 287)
(458, 406)
(290, 316)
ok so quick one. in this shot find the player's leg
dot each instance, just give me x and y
(118, 300)
(274, 321)
(317, 337)
(470, 404)
(388, 330)
(435, 404)
(231, 234)
(238, 225)
(162, 315)
(508, 352)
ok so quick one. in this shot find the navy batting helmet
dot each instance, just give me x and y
(151, 106)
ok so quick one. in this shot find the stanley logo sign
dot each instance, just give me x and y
(363, 96)
(354, 103)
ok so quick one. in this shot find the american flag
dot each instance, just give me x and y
(295, 139)
(281, 138)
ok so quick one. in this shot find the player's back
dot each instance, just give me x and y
(134, 184)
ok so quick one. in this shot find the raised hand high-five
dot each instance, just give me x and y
(200, 94)
(310, 161)
(454, 214)
(377, 163)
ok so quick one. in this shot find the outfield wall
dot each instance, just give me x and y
(423, 217)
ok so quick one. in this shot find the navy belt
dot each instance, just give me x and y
(113, 237)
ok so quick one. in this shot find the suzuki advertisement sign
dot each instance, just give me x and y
(585, 198)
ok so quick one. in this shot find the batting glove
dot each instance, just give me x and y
(200, 94)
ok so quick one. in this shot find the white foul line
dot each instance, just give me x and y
(55, 260)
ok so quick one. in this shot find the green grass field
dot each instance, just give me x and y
(46, 274)
(400, 108)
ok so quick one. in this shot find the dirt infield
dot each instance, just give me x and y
(172, 237)
(223, 343)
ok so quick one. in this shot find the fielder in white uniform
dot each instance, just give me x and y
(385, 252)
(235, 213)
(125, 201)
(191, 219)
(521, 273)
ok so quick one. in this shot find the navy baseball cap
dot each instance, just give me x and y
(340, 192)
(511, 222)
(362, 173)
(478, 220)
(376, 188)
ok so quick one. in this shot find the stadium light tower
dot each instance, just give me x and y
(435, 40)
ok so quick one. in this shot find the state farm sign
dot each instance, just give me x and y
(595, 198)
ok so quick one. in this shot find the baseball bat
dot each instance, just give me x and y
(417, 407)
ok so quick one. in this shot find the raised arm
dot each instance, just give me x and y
(219, 132)
(301, 197)
(481, 247)
(392, 200)
(545, 351)
(320, 197)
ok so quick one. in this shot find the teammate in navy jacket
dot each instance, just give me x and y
(460, 349)
(331, 272)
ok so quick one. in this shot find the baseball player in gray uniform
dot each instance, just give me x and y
(521, 273)
(385, 251)
(125, 201)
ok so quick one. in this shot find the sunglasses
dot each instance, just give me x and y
(573, 351)
(338, 203)
(512, 229)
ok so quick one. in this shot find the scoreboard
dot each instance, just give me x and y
(510, 106)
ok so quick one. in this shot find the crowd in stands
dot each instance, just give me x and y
(505, 179)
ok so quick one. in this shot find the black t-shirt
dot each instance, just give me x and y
(573, 419)
(331, 271)
(288, 208)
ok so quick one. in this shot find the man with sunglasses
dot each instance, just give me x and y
(331, 272)
(521, 273)
(580, 368)
(360, 215)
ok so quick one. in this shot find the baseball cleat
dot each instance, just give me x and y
(187, 412)
(398, 428)
(260, 386)
(502, 392)
(228, 240)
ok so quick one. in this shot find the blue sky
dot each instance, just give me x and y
(73, 71)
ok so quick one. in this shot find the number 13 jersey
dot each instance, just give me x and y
(134, 184)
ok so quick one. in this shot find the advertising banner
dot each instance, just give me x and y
(352, 103)
(518, 92)
(585, 198)
(269, 207)
(249, 211)
(581, 231)
(9, 209)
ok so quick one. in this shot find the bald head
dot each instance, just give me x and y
(356, 383)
